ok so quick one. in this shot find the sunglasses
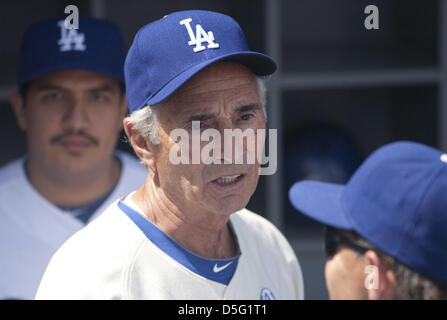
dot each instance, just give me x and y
(334, 239)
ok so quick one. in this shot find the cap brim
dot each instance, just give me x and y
(260, 64)
(321, 202)
(72, 66)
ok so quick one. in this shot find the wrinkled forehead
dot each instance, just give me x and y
(226, 83)
(226, 73)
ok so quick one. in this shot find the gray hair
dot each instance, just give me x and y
(145, 120)
(411, 285)
(414, 286)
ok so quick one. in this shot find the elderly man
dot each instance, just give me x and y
(386, 229)
(185, 233)
(71, 104)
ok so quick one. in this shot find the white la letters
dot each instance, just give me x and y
(70, 39)
(200, 36)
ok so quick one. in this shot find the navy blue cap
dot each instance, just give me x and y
(397, 200)
(168, 52)
(47, 46)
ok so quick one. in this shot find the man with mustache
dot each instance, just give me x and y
(70, 103)
(185, 233)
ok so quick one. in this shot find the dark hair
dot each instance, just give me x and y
(23, 90)
(411, 285)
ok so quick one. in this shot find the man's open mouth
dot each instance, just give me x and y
(226, 180)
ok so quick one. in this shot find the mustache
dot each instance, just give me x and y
(81, 133)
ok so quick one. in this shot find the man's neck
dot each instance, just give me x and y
(68, 189)
(203, 233)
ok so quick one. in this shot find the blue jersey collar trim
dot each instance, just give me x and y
(219, 270)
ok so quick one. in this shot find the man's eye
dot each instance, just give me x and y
(53, 96)
(99, 97)
(197, 125)
(247, 116)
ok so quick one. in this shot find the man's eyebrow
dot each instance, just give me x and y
(248, 107)
(207, 116)
(105, 88)
(45, 87)
(201, 117)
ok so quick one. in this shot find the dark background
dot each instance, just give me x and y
(341, 90)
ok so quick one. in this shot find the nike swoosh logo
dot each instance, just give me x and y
(217, 269)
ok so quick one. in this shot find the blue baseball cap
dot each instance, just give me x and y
(168, 52)
(48, 46)
(397, 200)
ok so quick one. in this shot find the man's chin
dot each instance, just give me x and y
(76, 165)
(232, 203)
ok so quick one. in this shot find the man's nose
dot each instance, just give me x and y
(76, 116)
(232, 150)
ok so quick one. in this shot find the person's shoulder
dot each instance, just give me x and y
(90, 263)
(106, 230)
(11, 171)
(13, 184)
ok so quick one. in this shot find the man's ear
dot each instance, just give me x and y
(379, 271)
(143, 148)
(124, 107)
(18, 106)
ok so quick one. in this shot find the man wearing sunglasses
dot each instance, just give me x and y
(386, 228)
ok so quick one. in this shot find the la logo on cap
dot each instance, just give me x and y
(70, 39)
(444, 157)
(200, 36)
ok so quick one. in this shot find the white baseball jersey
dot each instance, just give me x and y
(32, 228)
(123, 255)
